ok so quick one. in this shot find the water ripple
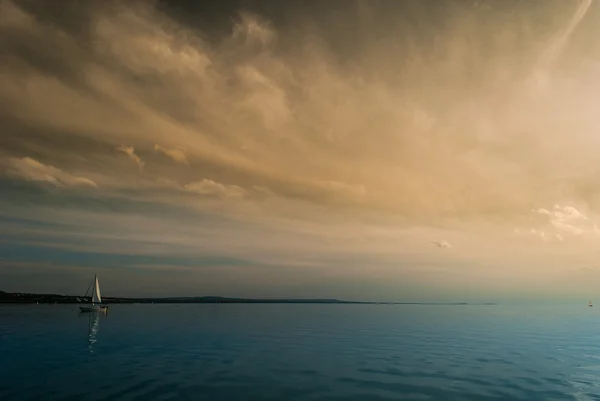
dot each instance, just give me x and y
(298, 352)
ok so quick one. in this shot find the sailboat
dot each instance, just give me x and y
(590, 304)
(96, 305)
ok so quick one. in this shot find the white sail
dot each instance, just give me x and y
(96, 298)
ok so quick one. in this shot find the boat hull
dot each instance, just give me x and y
(99, 308)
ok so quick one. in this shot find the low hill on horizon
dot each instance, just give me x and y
(21, 297)
(29, 298)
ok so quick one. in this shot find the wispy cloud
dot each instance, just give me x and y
(176, 154)
(210, 187)
(559, 223)
(569, 220)
(32, 170)
(558, 44)
(130, 151)
(442, 244)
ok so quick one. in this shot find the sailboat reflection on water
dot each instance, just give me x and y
(93, 327)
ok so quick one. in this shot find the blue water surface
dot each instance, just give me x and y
(300, 352)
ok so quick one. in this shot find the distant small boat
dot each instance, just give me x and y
(590, 304)
(96, 305)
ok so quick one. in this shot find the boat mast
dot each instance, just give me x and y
(88, 289)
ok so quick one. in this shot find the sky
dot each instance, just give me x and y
(363, 150)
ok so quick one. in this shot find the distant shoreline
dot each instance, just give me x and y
(27, 298)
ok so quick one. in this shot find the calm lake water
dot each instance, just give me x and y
(300, 352)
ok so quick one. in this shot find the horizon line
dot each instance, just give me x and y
(65, 297)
